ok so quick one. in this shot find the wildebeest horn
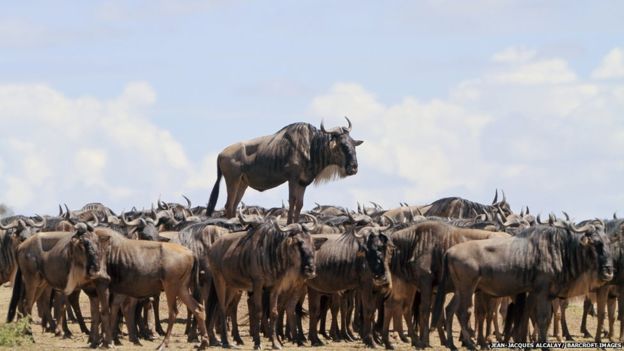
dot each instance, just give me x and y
(131, 223)
(495, 197)
(615, 215)
(522, 212)
(392, 222)
(337, 130)
(41, 223)
(586, 228)
(162, 205)
(60, 211)
(283, 205)
(307, 227)
(527, 211)
(377, 207)
(359, 208)
(317, 204)
(348, 129)
(91, 225)
(504, 198)
(188, 202)
(11, 225)
(551, 218)
(566, 216)
(499, 219)
(67, 211)
(539, 220)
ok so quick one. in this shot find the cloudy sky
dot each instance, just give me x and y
(125, 101)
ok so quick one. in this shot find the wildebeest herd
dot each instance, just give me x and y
(418, 266)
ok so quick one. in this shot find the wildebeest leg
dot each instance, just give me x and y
(587, 305)
(115, 307)
(258, 314)
(324, 306)
(195, 308)
(128, 308)
(564, 322)
(334, 306)
(314, 306)
(59, 315)
(391, 305)
(556, 308)
(611, 315)
(346, 312)
(601, 297)
(233, 317)
(94, 335)
(368, 303)
(74, 301)
(273, 319)
(424, 310)
(105, 312)
(157, 324)
(542, 313)
(295, 200)
(621, 311)
(235, 191)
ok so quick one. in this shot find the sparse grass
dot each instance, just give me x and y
(16, 334)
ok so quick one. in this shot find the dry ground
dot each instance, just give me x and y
(48, 342)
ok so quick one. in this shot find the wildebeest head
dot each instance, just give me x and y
(87, 254)
(301, 247)
(502, 207)
(377, 248)
(594, 238)
(142, 228)
(23, 228)
(342, 147)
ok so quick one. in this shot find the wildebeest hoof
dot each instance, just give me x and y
(586, 334)
(203, 345)
(317, 342)
(257, 346)
(404, 338)
(238, 341)
(389, 346)
(276, 346)
(228, 346)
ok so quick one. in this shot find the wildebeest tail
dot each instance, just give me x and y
(18, 286)
(214, 195)
(439, 300)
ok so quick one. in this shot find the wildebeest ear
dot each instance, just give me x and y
(318, 242)
(358, 142)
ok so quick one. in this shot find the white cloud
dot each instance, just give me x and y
(612, 66)
(533, 128)
(76, 150)
(552, 71)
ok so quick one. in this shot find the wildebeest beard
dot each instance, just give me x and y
(91, 256)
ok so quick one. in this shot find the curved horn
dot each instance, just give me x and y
(188, 202)
(94, 223)
(566, 216)
(495, 197)
(504, 200)
(323, 127)
(539, 220)
(317, 204)
(307, 227)
(41, 223)
(60, 211)
(527, 210)
(586, 228)
(615, 215)
(67, 211)
(392, 222)
(11, 225)
(131, 223)
(350, 126)
(377, 207)
(551, 218)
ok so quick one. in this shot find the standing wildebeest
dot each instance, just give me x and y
(140, 269)
(544, 261)
(357, 259)
(61, 260)
(417, 265)
(298, 154)
(265, 256)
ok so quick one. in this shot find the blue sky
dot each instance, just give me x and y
(123, 101)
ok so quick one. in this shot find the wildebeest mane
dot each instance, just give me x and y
(614, 230)
(457, 207)
(267, 239)
(418, 240)
(552, 250)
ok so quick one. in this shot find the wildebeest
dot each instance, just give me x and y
(61, 260)
(298, 154)
(140, 269)
(265, 256)
(358, 259)
(543, 261)
(456, 207)
(417, 264)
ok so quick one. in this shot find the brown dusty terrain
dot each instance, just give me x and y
(46, 341)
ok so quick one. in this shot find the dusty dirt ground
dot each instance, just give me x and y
(47, 341)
